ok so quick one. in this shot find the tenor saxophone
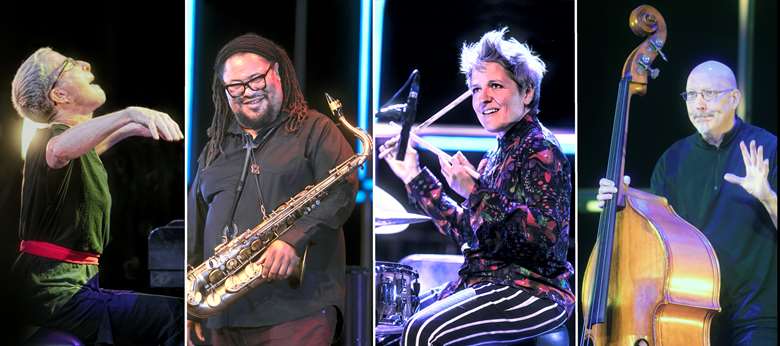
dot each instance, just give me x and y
(233, 270)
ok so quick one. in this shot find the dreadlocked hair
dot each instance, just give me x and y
(293, 103)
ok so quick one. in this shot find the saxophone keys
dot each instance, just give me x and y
(233, 284)
(215, 298)
(231, 264)
(246, 253)
(253, 270)
(215, 276)
(194, 298)
(256, 245)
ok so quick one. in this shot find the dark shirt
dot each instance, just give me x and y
(68, 206)
(288, 163)
(514, 227)
(690, 175)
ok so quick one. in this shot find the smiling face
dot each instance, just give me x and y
(712, 118)
(74, 90)
(254, 108)
(496, 99)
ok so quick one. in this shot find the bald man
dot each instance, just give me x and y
(722, 180)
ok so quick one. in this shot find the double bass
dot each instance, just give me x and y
(652, 278)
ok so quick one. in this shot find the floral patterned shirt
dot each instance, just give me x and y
(514, 227)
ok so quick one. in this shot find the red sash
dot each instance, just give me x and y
(56, 252)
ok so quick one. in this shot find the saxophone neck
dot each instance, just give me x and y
(337, 114)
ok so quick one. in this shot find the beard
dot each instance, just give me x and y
(263, 118)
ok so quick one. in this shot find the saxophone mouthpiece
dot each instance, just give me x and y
(334, 104)
(335, 107)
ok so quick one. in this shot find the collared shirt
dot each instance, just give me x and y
(514, 227)
(288, 162)
(690, 175)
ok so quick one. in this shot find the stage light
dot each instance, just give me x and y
(364, 62)
(592, 206)
(470, 138)
(28, 131)
(189, 56)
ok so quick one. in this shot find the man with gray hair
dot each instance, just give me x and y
(66, 203)
(722, 179)
(513, 226)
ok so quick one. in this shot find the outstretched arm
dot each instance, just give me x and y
(102, 132)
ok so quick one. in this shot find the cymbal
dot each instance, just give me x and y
(385, 201)
(390, 216)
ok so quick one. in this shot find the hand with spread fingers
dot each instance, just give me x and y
(755, 181)
(279, 261)
(756, 171)
(456, 174)
(407, 169)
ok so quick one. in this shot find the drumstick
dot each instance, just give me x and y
(444, 110)
(440, 153)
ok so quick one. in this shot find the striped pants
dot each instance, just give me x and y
(483, 314)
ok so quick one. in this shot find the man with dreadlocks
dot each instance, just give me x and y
(257, 101)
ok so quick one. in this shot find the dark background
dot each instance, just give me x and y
(428, 36)
(697, 31)
(135, 50)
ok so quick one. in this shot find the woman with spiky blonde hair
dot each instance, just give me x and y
(513, 228)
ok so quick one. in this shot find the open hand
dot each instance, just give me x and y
(756, 171)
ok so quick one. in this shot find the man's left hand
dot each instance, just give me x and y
(756, 171)
(279, 261)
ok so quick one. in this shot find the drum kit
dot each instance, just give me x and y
(405, 287)
(398, 285)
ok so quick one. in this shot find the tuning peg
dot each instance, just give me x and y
(654, 72)
(663, 56)
(644, 61)
(656, 45)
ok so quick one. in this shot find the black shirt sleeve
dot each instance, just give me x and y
(326, 148)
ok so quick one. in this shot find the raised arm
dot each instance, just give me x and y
(103, 132)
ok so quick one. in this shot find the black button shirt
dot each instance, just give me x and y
(288, 163)
(690, 175)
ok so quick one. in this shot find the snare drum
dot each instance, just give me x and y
(397, 292)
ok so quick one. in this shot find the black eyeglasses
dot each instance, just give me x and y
(67, 65)
(255, 83)
(707, 95)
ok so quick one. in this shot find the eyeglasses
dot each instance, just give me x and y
(256, 83)
(707, 95)
(67, 65)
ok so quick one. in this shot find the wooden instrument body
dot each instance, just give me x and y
(664, 279)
